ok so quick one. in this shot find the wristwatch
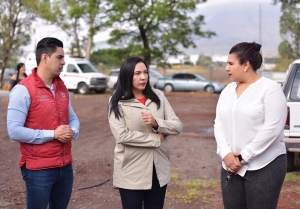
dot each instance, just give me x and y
(243, 162)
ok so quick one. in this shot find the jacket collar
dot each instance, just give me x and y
(40, 83)
(134, 103)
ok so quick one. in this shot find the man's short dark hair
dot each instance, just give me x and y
(47, 46)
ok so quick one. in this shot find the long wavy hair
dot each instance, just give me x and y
(124, 86)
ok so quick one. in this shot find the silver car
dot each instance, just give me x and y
(188, 82)
(8, 72)
(113, 78)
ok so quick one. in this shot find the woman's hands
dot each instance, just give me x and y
(232, 162)
(149, 120)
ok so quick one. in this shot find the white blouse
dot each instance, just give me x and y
(253, 124)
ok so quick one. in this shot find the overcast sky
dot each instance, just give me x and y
(236, 21)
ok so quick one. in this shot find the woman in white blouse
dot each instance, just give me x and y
(249, 125)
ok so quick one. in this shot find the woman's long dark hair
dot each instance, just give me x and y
(19, 65)
(124, 86)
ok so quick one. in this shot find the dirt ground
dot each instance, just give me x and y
(195, 164)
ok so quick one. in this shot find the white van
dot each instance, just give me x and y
(78, 74)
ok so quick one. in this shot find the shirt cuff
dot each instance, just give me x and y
(160, 124)
(224, 152)
(76, 135)
(48, 135)
(246, 155)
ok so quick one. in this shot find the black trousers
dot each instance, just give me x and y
(151, 199)
(258, 189)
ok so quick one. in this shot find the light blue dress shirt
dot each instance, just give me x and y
(19, 103)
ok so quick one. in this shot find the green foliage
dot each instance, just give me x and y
(285, 50)
(154, 29)
(204, 60)
(110, 57)
(70, 16)
(289, 49)
(282, 64)
(286, 1)
(16, 27)
(197, 190)
(286, 56)
(292, 177)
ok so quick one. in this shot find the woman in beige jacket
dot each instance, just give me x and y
(141, 118)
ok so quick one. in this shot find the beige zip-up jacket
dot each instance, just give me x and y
(138, 147)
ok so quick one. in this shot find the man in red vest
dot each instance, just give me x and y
(40, 117)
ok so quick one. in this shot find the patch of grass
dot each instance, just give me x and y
(292, 177)
(173, 169)
(197, 190)
(297, 202)
(190, 195)
(200, 183)
(174, 176)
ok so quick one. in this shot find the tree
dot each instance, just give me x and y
(93, 20)
(154, 29)
(290, 27)
(65, 14)
(285, 50)
(71, 24)
(16, 21)
(289, 48)
(77, 18)
(286, 1)
(204, 60)
(109, 57)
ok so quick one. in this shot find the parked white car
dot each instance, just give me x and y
(78, 74)
(291, 89)
(114, 73)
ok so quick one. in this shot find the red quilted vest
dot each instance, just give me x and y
(46, 113)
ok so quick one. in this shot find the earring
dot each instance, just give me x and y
(245, 70)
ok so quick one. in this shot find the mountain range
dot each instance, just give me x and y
(237, 21)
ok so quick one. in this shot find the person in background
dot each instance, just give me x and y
(16, 78)
(249, 131)
(40, 117)
(141, 118)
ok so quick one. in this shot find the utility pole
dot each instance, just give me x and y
(211, 68)
(259, 35)
(260, 42)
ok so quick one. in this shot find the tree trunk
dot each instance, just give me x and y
(77, 38)
(89, 48)
(90, 37)
(146, 52)
(1, 80)
(3, 67)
